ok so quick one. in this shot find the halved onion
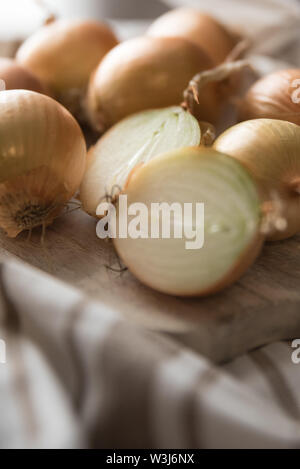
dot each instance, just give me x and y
(199, 27)
(232, 238)
(135, 140)
(270, 150)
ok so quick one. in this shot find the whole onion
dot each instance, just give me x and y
(200, 28)
(231, 223)
(64, 53)
(42, 160)
(17, 77)
(133, 141)
(270, 150)
(275, 96)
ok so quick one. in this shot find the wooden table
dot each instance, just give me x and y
(262, 307)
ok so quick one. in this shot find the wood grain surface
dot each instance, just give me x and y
(262, 307)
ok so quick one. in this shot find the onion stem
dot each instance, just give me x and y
(208, 133)
(238, 51)
(51, 17)
(218, 74)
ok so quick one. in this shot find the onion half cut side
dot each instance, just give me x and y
(231, 228)
(135, 140)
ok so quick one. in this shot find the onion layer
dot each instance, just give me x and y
(63, 54)
(147, 73)
(135, 140)
(42, 160)
(16, 77)
(270, 150)
(231, 223)
(200, 28)
(275, 96)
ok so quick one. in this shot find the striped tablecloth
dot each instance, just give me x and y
(78, 376)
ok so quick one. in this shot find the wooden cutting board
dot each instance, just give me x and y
(262, 307)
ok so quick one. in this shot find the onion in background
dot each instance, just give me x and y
(200, 28)
(14, 76)
(63, 55)
(148, 73)
(275, 96)
(270, 150)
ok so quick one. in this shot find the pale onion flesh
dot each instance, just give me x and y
(15, 77)
(270, 150)
(199, 27)
(148, 73)
(42, 160)
(64, 53)
(135, 140)
(275, 96)
(231, 224)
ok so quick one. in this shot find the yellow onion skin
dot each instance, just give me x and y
(272, 97)
(63, 54)
(148, 73)
(192, 175)
(42, 160)
(200, 28)
(270, 150)
(16, 77)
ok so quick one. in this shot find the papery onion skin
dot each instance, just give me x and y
(194, 174)
(64, 53)
(135, 140)
(272, 97)
(148, 73)
(270, 150)
(200, 28)
(42, 160)
(17, 77)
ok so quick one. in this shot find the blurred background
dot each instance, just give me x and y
(272, 24)
(22, 16)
